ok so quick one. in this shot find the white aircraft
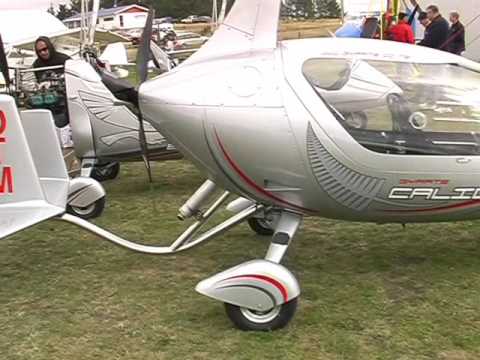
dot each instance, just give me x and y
(246, 110)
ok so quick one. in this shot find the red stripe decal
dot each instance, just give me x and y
(266, 279)
(448, 207)
(252, 183)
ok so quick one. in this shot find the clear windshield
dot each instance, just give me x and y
(402, 108)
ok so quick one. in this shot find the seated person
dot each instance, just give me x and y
(47, 56)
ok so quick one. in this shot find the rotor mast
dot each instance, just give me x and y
(218, 18)
(223, 11)
(214, 14)
(88, 22)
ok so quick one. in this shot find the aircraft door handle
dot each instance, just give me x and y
(464, 160)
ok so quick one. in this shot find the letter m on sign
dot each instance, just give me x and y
(6, 183)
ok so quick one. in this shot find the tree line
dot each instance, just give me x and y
(311, 9)
(181, 8)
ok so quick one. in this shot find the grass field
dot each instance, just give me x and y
(369, 292)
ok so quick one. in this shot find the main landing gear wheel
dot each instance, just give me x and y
(90, 212)
(106, 172)
(252, 320)
(260, 226)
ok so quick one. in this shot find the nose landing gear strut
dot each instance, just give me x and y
(258, 294)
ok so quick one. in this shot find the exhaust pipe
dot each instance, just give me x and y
(193, 204)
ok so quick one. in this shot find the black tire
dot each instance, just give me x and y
(260, 226)
(106, 172)
(237, 315)
(91, 212)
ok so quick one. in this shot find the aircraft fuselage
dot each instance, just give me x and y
(254, 124)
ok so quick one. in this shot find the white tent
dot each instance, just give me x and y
(357, 8)
(19, 25)
(470, 16)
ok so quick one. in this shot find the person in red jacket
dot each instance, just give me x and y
(402, 32)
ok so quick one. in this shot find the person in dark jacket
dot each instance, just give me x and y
(436, 33)
(423, 19)
(456, 35)
(47, 56)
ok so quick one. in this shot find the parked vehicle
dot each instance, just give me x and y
(204, 19)
(163, 20)
(189, 19)
(165, 27)
(192, 19)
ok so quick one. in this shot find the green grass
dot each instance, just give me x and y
(369, 292)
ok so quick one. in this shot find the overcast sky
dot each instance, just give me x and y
(30, 4)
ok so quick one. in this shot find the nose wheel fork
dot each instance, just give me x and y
(259, 295)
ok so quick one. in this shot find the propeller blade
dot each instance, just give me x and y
(143, 57)
(143, 54)
(144, 147)
(4, 64)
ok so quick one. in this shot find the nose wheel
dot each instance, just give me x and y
(253, 320)
(260, 295)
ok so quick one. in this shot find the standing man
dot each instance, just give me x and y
(456, 35)
(436, 33)
(402, 32)
(423, 19)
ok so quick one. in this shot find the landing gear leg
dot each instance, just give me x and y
(280, 315)
(87, 167)
(286, 229)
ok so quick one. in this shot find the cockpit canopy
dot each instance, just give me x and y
(401, 107)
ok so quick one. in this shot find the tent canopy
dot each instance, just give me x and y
(18, 25)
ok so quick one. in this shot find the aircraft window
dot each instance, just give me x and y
(405, 108)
